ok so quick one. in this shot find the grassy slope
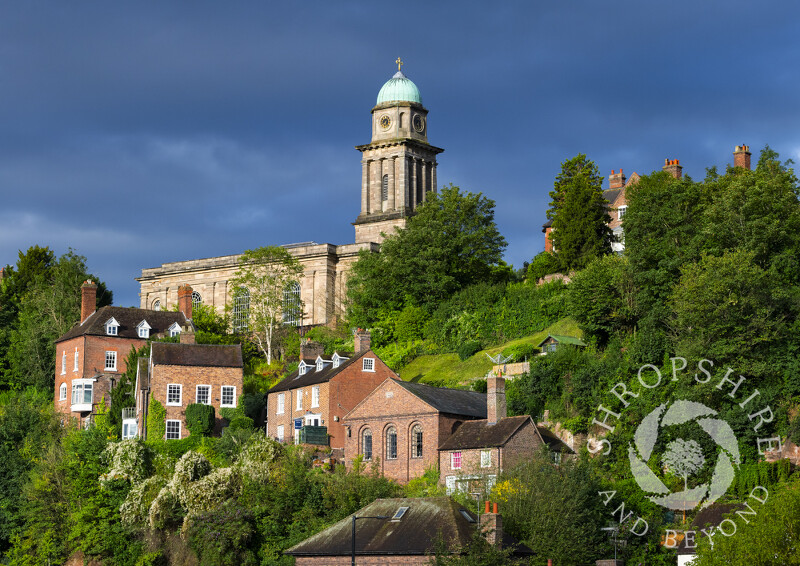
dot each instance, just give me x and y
(447, 369)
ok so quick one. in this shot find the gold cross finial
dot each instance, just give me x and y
(399, 64)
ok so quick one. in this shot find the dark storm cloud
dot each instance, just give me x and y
(169, 131)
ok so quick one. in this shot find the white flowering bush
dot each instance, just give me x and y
(135, 510)
(191, 467)
(257, 456)
(165, 509)
(128, 460)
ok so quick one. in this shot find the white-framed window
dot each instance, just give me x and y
(292, 308)
(112, 327)
(111, 360)
(455, 460)
(486, 458)
(241, 310)
(299, 400)
(173, 430)
(228, 397)
(175, 329)
(143, 330)
(203, 394)
(391, 443)
(196, 298)
(279, 433)
(128, 429)
(320, 364)
(301, 369)
(174, 394)
(62, 392)
(315, 396)
(63, 362)
(75, 360)
(622, 210)
(82, 391)
(368, 364)
(281, 404)
(157, 305)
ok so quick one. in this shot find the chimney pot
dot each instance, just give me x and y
(495, 508)
(488, 503)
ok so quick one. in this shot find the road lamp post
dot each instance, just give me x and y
(353, 540)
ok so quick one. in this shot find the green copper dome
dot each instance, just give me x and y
(399, 89)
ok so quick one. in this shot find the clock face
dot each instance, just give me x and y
(385, 121)
(419, 123)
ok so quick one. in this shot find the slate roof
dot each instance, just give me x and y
(611, 194)
(128, 319)
(482, 434)
(451, 401)
(204, 355)
(312, 376)
(416, 533)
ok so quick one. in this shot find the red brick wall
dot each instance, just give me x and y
(91, 362)
(190, 377)
(337, 397)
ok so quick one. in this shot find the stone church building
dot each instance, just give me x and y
(398, 173)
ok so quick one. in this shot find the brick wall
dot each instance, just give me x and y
(189, 377)
(91, 362)
(362, 560)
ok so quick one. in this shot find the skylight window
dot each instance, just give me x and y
(399, 514)
(467, 516)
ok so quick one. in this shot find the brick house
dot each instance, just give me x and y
(474, 455)
(314, 398)
(400, 425)
(177, 375)
(408, 535)
(91, 356)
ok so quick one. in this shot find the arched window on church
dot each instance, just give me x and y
(416, 441)
(292, 306)
(366, 444)
(391, 443)
(385, 188)
(196, 298)
(157, 305)
(241, 309)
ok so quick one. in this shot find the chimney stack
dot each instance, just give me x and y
(88, 299)
(185, 301)
(495, 398)
(492, 525)
(187, 334)
(616, 181)
(361, 342)
(673, 167)
(310, 350)
(741, 157)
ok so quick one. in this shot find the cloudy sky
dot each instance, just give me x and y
(167, 131)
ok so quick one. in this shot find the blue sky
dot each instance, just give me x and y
(165, 131)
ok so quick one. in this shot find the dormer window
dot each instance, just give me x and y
(143, 330)
(112, 327)
(320, 365)
(337, 360)
(301, 369)
(174, 330)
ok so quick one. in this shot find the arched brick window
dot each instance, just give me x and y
(416, 441)
(391, 443)
(366, 444)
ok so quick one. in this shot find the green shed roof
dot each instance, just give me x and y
(564, 340)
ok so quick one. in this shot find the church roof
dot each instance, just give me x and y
(399, 89)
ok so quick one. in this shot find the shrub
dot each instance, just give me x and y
(128, 459)
(520, 352)
(468, 349)
(240, 422)
(223, 536)
(200, 419)
(156, 420)
(543, 264)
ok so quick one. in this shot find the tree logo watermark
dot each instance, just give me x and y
(652, 455)
(683, 457)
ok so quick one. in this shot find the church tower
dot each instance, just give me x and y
(398, 167)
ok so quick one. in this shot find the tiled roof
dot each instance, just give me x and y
(451, 401)
(416, 533)
(205, 355)
(313, 377)
(482, 434)
(128, 319)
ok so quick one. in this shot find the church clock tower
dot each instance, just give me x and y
(398, 167)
